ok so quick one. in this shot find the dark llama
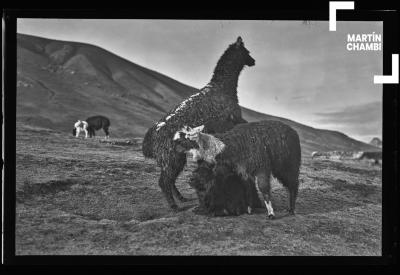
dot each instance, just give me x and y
(216, 102)
(96, 123)
(233, 196)
(254, 151)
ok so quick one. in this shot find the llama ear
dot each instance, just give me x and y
(239, 42)
(177, 135)
(197, 129)
(193, 134)
(184, 130)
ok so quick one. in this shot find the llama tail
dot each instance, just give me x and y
(147, 146)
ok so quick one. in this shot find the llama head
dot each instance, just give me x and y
(184, 140)
(187, 140)
(243, 53)
(187, 132)
(202, 146)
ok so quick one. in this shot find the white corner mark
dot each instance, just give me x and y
(394, 78)
(335, 5)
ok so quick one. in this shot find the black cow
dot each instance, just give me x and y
(96, 123)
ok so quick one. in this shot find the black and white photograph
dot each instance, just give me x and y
(199, 137)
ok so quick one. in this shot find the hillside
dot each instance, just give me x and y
(59, 82)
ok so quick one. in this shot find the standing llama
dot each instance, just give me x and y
(96, 123)
(216, 102)
(253, 151)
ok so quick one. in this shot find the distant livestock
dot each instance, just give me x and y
(214, 105)
(254, 151)
(337, 154)
(375, 157)
(80, 126)
(96, 123)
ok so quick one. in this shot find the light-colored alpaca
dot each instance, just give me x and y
(81, 125)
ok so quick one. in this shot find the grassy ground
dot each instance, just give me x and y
(77, 196)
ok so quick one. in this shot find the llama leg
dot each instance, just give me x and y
(292, 197)
(86, 132)
(178, 195)
(164, 183)
(249, 196)
(78, 130)
(171, 168)
(291, 185)
(180, 164)
(107, 133)
(264, 185)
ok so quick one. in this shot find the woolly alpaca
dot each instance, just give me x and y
(216, 102)
(234, 196)
(231, 196)
(96, 123)
(254, 151)
(80, 126)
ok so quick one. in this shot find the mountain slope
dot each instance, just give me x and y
(313, 139)
(59, 82)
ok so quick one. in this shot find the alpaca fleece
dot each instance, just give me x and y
(96, 123)
(80, 126)
(230, 197)
(269, 146)
(215, 104)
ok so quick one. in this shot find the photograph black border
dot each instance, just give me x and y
(390, 191)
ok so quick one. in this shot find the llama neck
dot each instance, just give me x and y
(226, 75)
(210, 147)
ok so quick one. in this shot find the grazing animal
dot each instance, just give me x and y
(338, 155)
(80, 126)
(375, 158)
(254, 151)
(96, 123)
(234, 196)
(215, 104)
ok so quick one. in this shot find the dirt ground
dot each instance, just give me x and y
(87, 197)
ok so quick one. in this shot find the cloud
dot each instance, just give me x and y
(364, 113)
(300, 97)
(356, 120)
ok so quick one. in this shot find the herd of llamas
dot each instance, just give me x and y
(235, 159)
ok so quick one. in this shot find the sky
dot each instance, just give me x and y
(303, 71)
